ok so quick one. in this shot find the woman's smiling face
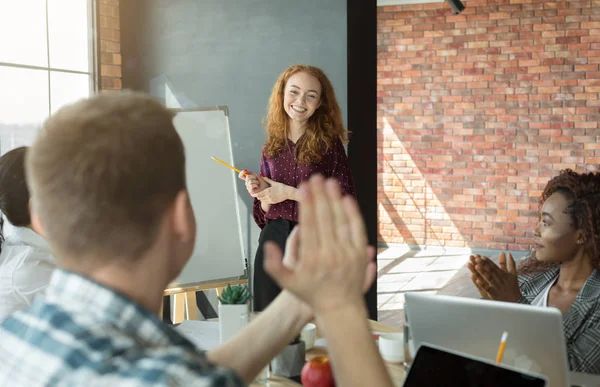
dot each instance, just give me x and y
(301, 96)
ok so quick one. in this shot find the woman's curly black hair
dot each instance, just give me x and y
(582, 191)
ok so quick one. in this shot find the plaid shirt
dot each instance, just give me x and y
(582, 321)
(84, 334)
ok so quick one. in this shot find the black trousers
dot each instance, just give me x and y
(265, 289)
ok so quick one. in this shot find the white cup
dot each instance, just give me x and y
(309, 335)
(391, 347)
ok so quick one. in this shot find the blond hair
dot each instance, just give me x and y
(102, 173)
(323, 127)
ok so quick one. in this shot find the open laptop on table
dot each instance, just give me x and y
(438, 367)
(535, 343)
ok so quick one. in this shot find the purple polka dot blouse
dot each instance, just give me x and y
(284, 169)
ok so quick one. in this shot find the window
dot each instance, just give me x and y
(46, 61)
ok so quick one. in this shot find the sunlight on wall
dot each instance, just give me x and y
(407, 202)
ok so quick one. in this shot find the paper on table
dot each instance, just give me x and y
(204, 334)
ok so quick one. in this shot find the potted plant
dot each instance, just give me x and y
(289, 362)
(233, 310)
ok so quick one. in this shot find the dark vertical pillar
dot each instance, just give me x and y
(362, 115)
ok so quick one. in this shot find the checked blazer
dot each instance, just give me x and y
(581, 323)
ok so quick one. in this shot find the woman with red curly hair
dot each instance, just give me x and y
(563, 270)
(305, 136)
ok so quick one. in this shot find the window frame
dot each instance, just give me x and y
(93, 72)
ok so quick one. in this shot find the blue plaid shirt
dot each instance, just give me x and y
(84, 334)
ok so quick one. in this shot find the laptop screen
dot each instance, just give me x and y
(436, 367)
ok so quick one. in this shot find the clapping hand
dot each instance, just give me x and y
(495, 282)
(328, 263)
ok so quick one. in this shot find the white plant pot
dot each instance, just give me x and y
(232, 319)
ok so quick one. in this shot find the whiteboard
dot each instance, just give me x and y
(219, 253)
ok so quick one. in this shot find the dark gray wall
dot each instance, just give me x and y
(229, 52)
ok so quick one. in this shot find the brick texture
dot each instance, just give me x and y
(477, 111)
(109, 32)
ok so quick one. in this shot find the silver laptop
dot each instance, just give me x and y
(535, 342)
(434, 366)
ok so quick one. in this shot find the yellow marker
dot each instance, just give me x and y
(502, 347)
(225, 164)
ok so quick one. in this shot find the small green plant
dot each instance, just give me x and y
(234, 295)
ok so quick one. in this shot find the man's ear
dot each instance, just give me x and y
(184, 224)
(36, 222)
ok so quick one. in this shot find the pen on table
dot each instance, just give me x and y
(502, 347)
(225, 164)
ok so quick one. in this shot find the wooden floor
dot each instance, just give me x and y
(432, 270)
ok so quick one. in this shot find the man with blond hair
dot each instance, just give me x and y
(107, 177)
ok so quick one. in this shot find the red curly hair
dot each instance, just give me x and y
(582, 192)
(323, 127)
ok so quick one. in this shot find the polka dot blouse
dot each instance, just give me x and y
(285, 169)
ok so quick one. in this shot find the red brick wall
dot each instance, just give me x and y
(110, 45)
(477, 111)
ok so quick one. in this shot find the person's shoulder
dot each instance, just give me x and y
(590, 291)
(15, 251)
(24, 347)
(533, 282)
(174, 365)
(264, 153)
(98, 355)
(536, 275)
(39, 252)
(26, 246)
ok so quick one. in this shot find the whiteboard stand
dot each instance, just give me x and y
(184, 298)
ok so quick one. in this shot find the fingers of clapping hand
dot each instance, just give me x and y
(488, 269)
(500, 284)
(324, 213)
(477, 278)
(291, 249)
(485, 271)
(358, 234)
(371, 271)
(329, 270)
(341, 231)
(281, 272)
(480, 284)
(507, 263)
(307, 257)
(484, 285)
(511, 265)
(307, 220)
(476, 264)
(502, 261)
